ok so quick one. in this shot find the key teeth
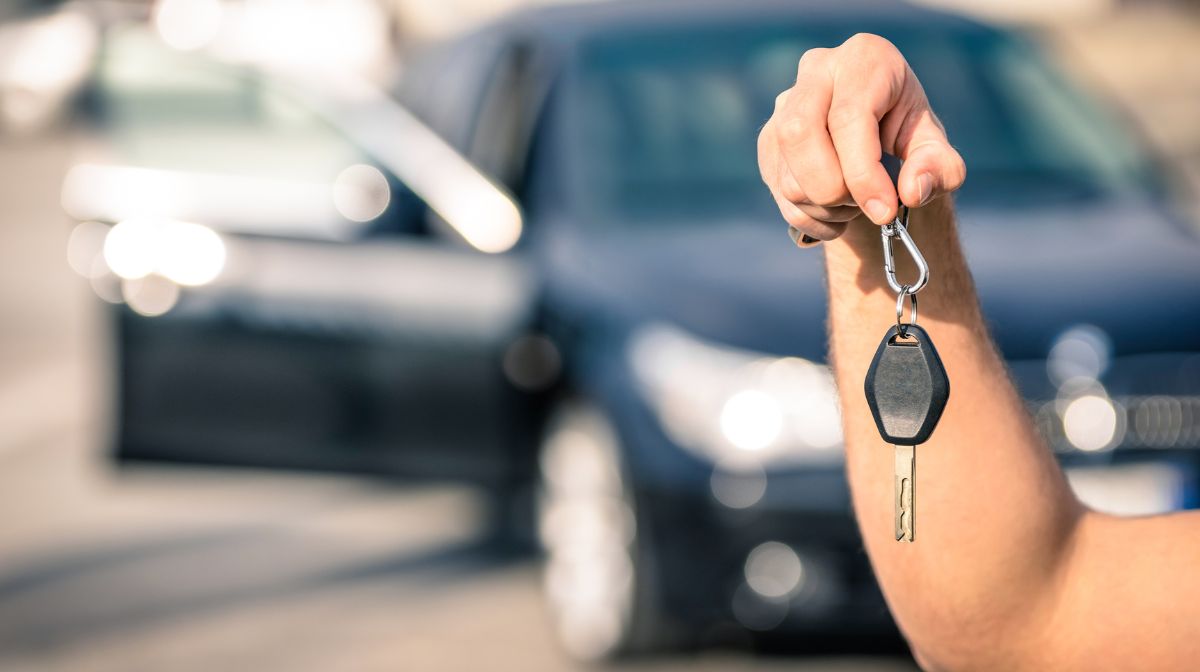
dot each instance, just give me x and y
(905, 524)
(904, 484)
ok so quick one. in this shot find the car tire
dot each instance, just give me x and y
(600, 573)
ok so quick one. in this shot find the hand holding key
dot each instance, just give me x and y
(820, 151)
(1016, 574)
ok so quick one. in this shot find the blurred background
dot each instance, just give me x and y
(460, 334)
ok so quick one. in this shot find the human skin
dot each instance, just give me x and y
(1009, 570)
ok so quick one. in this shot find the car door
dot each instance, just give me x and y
(343, 330)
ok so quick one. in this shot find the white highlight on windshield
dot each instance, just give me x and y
(472, 205)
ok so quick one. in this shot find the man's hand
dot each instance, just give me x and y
(820, 151)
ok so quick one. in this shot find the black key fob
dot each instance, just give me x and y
(907, 386)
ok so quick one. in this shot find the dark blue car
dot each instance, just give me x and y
(640, 345)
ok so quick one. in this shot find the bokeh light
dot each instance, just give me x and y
(361, 193)
(187, 253)
(751, 419)
(774, 570)
(151, 296)
(1090, 422)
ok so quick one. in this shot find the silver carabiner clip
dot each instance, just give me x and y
(899, 229)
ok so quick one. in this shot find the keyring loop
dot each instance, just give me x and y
(902, 327)
(899, 229)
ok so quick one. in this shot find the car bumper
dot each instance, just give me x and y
(791, 563)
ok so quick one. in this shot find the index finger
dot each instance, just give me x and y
(854, 129)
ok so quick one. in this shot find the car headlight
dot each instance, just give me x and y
(732, 405)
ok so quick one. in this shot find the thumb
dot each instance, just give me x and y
(932, 168)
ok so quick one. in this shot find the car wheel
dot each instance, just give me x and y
(599, 573)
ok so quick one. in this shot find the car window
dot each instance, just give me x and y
(666, 121)
(216, 123)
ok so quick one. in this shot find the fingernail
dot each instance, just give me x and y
(877, 211)
(925, 185)
(801, 239)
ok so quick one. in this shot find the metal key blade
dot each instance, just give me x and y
(906, 471)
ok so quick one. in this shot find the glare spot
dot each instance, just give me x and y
(1081, 352)
(361, 193)
(188, 24)
(84, 248)
(151, 296)
(129, 248)
(751, 419)
(486, 220)
(335, 35)
(738, 487)
(774, 570)
(1090, 422)
(532, 362)
(189, 254)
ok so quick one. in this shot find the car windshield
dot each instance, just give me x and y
(239, 152)
(665, 123)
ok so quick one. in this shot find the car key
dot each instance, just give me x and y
(906, 385)
(907, 389)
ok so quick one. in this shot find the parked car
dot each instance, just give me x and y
(552, 262)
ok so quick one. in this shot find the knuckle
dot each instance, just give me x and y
(868, 42)
(795, 131)
(781, 100)
(812, 57)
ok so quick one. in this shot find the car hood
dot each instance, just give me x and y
(1120, 266)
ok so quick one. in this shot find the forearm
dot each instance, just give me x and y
(995, 515)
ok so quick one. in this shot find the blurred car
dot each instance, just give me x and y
(337, 283)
